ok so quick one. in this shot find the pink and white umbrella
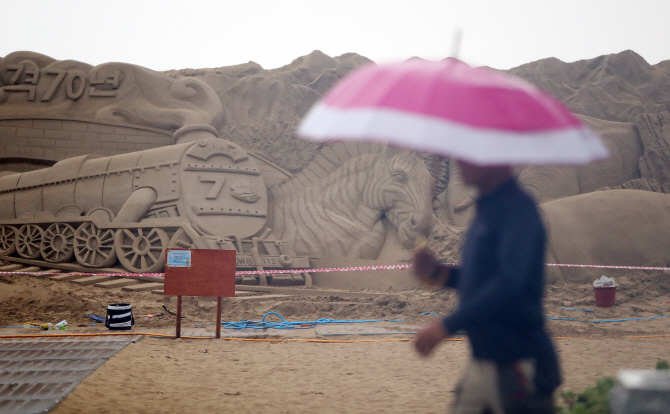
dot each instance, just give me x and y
(449, 108)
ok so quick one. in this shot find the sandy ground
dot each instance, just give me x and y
(180, 376)
(641, 294)
(167, 375)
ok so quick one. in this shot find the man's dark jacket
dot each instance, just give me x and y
(500, 284)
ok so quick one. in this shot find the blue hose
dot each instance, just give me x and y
(284, 324)
(631, 319)
(606, 321)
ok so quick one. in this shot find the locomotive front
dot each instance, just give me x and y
(204, 194)
(222, 190)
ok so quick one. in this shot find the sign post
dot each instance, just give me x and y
(200, 272)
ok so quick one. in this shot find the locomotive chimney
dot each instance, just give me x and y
(191, 133)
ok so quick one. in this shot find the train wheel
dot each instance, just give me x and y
(28, 241)
(93, 246)
(181, 240)
(7, 240)
(58, 243)
(142, 250)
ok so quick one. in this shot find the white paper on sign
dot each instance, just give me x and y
(179, 258)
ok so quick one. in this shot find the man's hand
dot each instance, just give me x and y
(427, 269)
(428, 338)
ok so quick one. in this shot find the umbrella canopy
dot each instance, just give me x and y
(449, 108)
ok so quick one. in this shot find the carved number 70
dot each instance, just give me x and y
(73, 89)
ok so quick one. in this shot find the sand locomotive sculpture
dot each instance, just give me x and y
(129, 208)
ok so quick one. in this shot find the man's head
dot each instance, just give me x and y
(485, 179)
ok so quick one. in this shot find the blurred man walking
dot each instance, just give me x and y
(514, 368)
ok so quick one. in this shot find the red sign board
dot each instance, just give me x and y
(200, 272)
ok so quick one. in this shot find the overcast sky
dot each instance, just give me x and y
(176, 34)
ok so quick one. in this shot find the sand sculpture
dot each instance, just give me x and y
(548, 183)
(610, 88)
(654, 164)
(133, 206)
(614, 227)
(110, 114)
(616, 87)
(263, 107)
(589, 223)
(623, 141)
(202, 191)
(336, 210)
(640, 159)
(37, 86)
(621, 97)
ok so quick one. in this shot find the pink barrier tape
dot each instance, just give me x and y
(331, 269)
(609, 267)
(85, 274)
(326, 270)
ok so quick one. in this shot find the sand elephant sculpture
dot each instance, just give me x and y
(548, 183)
(623, 141)
(613, 227)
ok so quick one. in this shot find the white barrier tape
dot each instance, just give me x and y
(331, 269)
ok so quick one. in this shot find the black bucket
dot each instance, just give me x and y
(119, 317)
